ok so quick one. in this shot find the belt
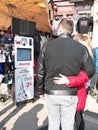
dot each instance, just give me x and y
(60, 92)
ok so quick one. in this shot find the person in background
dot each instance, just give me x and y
(83, 25)
(37, 40)
(66, 56)
(86, 41)
(94, 79)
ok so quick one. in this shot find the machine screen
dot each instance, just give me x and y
(23, 54)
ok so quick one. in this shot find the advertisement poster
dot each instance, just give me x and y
(24, 83)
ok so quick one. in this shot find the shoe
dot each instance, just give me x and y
(2, 128)
(93, 94)
(88, 90)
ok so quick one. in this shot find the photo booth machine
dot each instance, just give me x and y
(24, 64)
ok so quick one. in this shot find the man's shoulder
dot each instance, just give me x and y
(79, 44)
(53, 41)
(68, 41)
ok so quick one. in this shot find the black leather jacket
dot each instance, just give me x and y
(62, 55)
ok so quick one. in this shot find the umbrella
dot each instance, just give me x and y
(31, 10)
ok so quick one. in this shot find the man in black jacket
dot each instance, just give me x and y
(61, 56)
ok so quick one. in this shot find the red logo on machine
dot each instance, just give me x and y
(24, 64)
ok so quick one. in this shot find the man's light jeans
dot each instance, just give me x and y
(61, 110)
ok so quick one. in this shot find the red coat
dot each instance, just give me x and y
(81, 88)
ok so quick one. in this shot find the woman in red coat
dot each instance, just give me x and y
(78, 81)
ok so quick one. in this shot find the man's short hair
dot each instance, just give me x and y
(66, 24)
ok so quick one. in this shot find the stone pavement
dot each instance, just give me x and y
(32, 115)
(91, 104)
(29, 116)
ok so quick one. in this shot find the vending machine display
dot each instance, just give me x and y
(24, 54)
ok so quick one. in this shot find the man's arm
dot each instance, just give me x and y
(40, 73)
(88, 65)
(72, 81)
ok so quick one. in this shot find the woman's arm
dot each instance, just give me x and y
(78, 80)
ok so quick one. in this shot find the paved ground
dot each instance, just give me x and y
(31, 116)
(91, 104)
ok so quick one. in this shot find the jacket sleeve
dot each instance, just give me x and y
(78, 80)
(87, 64)
(40, 73)
(94, 56)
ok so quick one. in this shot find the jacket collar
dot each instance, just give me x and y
(65, 35)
